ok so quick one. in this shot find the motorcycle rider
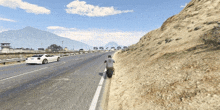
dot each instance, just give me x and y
(109, 65)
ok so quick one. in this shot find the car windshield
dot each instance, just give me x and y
(37, 56)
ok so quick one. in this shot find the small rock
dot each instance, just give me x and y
(197, 28)
(215, 95)
(178, 38)
(190, 30)
(160, 42)
(168, 40)
(211, 22)
(208, 95)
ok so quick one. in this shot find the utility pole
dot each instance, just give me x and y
(62, 44)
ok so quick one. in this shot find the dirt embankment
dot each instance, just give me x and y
(173, 67)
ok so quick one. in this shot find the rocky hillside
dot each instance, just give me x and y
(173, 67)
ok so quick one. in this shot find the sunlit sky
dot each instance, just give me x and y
(94, 22)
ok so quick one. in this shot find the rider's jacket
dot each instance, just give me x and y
(109, 63)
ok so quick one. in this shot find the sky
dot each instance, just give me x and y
(94, 22)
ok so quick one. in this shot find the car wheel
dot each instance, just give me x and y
(58, 59)
(45, 61)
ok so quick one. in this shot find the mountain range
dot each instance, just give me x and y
(30, 37)
(112, 44)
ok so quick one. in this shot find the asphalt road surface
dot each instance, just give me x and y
(69, 84)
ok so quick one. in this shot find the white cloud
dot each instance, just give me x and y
(5, 19)
(2, 29)
(29, 8)
(59, 28)
(81, 8)
(183, 6)
(98, 37)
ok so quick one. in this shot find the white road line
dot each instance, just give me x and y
(97, 93)
(23, 74)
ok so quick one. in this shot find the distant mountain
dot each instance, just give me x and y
(111, 44)
(30, 37)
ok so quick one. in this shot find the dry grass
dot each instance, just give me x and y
(173, 81)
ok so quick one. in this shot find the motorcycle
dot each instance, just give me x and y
(109, 73)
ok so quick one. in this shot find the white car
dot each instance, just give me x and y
(42, 59)
(112, 49)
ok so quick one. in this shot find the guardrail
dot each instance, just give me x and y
(12, 60)
(61, 54)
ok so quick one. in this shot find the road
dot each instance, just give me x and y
(69, 84)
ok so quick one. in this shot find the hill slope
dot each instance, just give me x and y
(30, 37)
(173, 67)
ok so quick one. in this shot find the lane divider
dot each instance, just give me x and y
(23, 74)
(97, 93)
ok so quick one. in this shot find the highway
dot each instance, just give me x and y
(69, 84)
